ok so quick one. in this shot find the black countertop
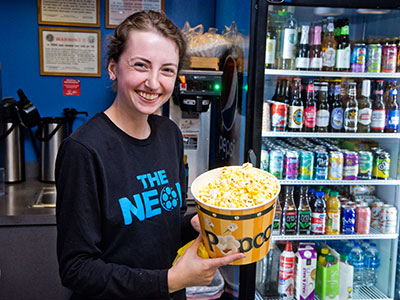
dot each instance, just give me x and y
(16, 205)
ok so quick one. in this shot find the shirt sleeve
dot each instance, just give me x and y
(79, 180)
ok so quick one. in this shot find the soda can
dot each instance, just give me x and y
(306, 165)
(381, 165)
(276, 158)
(388, 220)
(350, 165)
(365, 165)
(363, 219)
(291, 167)
(264, 158)
(336, 162)
(321, 165)
(279, 112)
(389, 58)
(374, 58)
(376, 214)
(348, 219)
(358, 57)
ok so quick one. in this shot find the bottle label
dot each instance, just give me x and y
(289, 43)
(344, 30)
(365, 115)
(270, 52)
(295, 116)
(290, 222)
(337, 118)
(316, 63)
(393, 118)
(277, 223)
(323, 118)
(318, 222)
(328, 57)
(333, 223)
(378, 119)
(350, 118)
(343, 58)
(310, 116)
(304, 221)
(302, 63)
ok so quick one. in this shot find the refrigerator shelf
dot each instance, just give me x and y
(343, 135)
(339, 182)
(374, 234)
(330, 74)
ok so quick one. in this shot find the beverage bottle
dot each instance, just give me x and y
(329, 46)
(270, 49)
(289, 43)
(372, 263)
(336, 123)
(378, 118)
(343, 51)
(276, 226)
(333, 212)
(322, 121)
(310, 109)
(338, 25)
(275, 97)
(351, 109)
(296, 108)
(279, 46)
(311, 197)
(348, 246)
(281, 94)
(365, 108)
(303, 53)
(289, 214)
(316, 50)
(286, 99)
(287, 265)
(304, 214)
(356, 259)
(318, 214)
(268, 272)
(393, 113)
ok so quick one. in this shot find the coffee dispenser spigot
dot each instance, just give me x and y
(70, 116)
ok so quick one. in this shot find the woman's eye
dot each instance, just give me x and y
(140, 66)
(170, 71)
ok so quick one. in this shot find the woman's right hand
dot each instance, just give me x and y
(192, 270)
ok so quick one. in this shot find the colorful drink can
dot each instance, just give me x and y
(348, 219)
(376, 214)
(365, 164)
(363, 219)
(321, 165)
(350, 166)
(388, 220)
(264, 158)
(358, 57)
(381, 165)
(279, 113)
(306, 165)
(276, 158)
(374, 58)
(336, 162)
(291, 167)
(389, 58)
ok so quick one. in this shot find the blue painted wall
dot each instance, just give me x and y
(19, 57)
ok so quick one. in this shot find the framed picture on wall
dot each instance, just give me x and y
(72, 13)
(117, 10)
(69, 51)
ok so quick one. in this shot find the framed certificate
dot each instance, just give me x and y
(69, 52)
(73, 12)
(118, 10)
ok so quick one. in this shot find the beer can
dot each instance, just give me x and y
(388, 220)
(350, 165)
(264, 158)
(365, 165)
(389, 58)
(306, 165)
(363, 219)
(374, 58)
(381, 165)
(321, 165)
(276, 158)
(336, 161)
(376, 214)
(291, 166)
(348, 219)
(358, 57)
(279, 112)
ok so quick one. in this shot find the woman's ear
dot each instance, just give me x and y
(112, 69)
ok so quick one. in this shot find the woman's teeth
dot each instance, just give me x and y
(148, 96)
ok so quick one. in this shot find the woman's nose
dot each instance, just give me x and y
(152, 81)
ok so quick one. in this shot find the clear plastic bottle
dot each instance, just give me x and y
(372, 262)
(356, 259)
(268, 272)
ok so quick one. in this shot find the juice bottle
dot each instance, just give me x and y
(318, 216)
(333, 214)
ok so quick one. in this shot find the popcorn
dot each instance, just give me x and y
(241, 187)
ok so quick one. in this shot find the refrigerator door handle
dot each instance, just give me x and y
(252, 158)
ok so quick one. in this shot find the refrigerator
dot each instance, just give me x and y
(370, 22)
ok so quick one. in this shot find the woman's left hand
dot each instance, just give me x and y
(195, 223)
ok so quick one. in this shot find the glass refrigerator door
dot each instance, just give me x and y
(324, 119)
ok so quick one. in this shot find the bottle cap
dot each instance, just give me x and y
(334, 194)
(320, 194)
(324, 251)
(288, 247)
(330, 258)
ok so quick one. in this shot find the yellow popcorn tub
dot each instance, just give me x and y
(236, 228)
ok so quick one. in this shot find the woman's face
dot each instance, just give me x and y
(146, 71)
